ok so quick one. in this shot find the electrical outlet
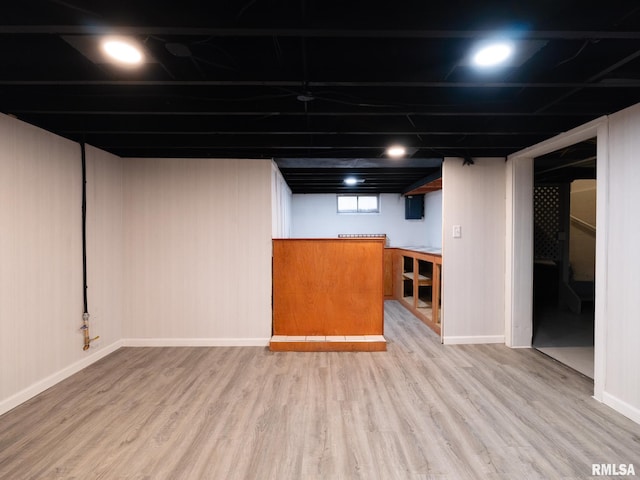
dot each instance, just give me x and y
(457, 231)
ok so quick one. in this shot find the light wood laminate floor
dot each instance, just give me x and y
(418, 411)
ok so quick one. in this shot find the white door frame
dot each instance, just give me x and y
(519, 241)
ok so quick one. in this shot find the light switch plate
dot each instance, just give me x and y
(457, 231)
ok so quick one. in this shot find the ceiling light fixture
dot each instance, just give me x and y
(351, 181)
(123, 51)
(396, 151)
(492, 54)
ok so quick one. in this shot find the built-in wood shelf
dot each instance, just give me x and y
(416, 283)
(422, 280)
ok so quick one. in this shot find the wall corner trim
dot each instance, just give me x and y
(48, 382)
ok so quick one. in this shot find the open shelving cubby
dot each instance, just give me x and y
(420, 285)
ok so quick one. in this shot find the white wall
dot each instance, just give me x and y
(315, 216)
(518, 253)
(197, 251)
(433, 214)
(280, 204)
(621, 387)
(473, 265)
(105, 245)
(41, 259)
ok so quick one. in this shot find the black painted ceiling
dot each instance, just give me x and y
(577, 162)
(318, 79)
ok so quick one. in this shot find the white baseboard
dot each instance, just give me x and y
(473, 339)
(48, 382)
(622, 407)
(196, 342)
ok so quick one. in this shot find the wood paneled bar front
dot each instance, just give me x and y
(328, 295)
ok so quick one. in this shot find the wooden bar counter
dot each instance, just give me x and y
(328, 295)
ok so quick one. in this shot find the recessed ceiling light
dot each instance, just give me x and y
(353, 181)
(396, 151)
(492, 54)
(123, 51)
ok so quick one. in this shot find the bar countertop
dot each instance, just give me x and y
(421, 249)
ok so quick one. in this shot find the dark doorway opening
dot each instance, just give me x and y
(564, 255)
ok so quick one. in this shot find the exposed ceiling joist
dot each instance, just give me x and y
(623, 83)
(27, 29)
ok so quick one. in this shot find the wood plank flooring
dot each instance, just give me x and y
(418, 411)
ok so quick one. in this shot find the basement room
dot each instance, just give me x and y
(316, 240)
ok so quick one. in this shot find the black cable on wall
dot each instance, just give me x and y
(84, 225)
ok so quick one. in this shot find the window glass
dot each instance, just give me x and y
(358, 204)
(368, 203)
(347, 203)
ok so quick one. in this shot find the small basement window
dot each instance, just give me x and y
(358, 204)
